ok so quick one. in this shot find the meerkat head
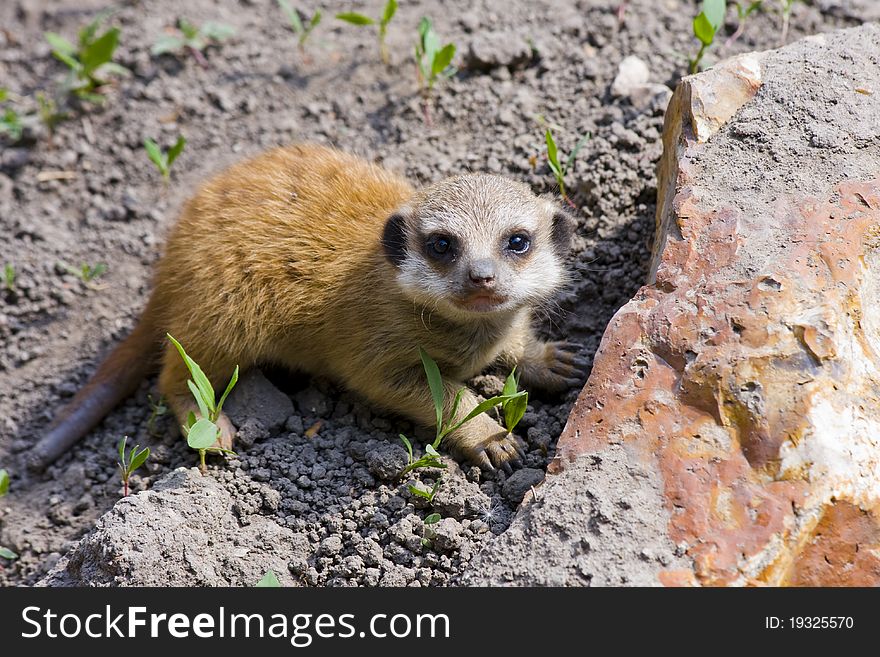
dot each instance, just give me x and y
(478, 244)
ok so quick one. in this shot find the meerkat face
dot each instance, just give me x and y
(478, 244)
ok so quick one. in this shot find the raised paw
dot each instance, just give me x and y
(559, 367)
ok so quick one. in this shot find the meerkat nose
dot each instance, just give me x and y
(482, 273)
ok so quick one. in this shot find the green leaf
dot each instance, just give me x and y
(714, 11)
(155, 155)
(455, 404)
(191, 419)
(204, 385)
(6, 553)
(139, 458)
(203, 408)
(443, 58)
(408, 446)
(269, 581)
(390, 10)
(429, 448)
(203, 434)
(226, 392)
(175, 150)
(122, 451)
(432, 519)
(510, 385)
(435, 383)
(99, 51)
(430, 43)
(167, 43)
(188, 30)
(4, 94)
(552, 153)
(484, 406)
(418, 491)
(316, 18)
(217, 31)
(703, 29)
(71, 63)
(355, 18)
(4, 482)
(292, 16)
(514, 409)
(60, 44)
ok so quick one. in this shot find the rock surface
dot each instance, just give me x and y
(186, 531)
(743, 380)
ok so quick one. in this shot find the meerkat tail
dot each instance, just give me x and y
(117, 377)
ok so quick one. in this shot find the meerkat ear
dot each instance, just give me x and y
(394, 237)
(563, 230)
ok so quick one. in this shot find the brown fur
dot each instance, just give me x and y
(280, 260)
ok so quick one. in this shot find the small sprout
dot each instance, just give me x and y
(428, 495)
(302, 30)
(510, 398)
(5, 553)
(787, 6)
(202, 433)
(515, 406)
(359, 19)
(743, 11)
(269, 581)
(706, 25)
(49, 113)
(130, 462)
(89, 61)
(158, 409)
(10, 121)
(561, 170)
(86, 272)
(434, 62)
(429, 534)
(164, 160)
(192, 39)
(9, 277)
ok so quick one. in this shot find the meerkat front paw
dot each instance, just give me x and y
(484, 442)
(558, 366)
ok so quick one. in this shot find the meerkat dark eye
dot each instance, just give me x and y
(518, 243)
(440, 246)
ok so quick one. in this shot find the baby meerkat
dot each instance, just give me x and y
(318, 261)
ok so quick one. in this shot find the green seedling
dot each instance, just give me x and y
(429, 520)
(434, 61)
(706, 26)
(269, 581)
(5, 553)
(130, 462)
(202, 433)
(743, 11)
(86, 273)
(426, 494)
(302, 30)
(10, 121)
(787, 6)
(48, 111)
(509, 398)
(359, 19)
(9, 277)
(560, 170)
(157, 409)
(89, 61)
(192, 39)
(164, 160)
